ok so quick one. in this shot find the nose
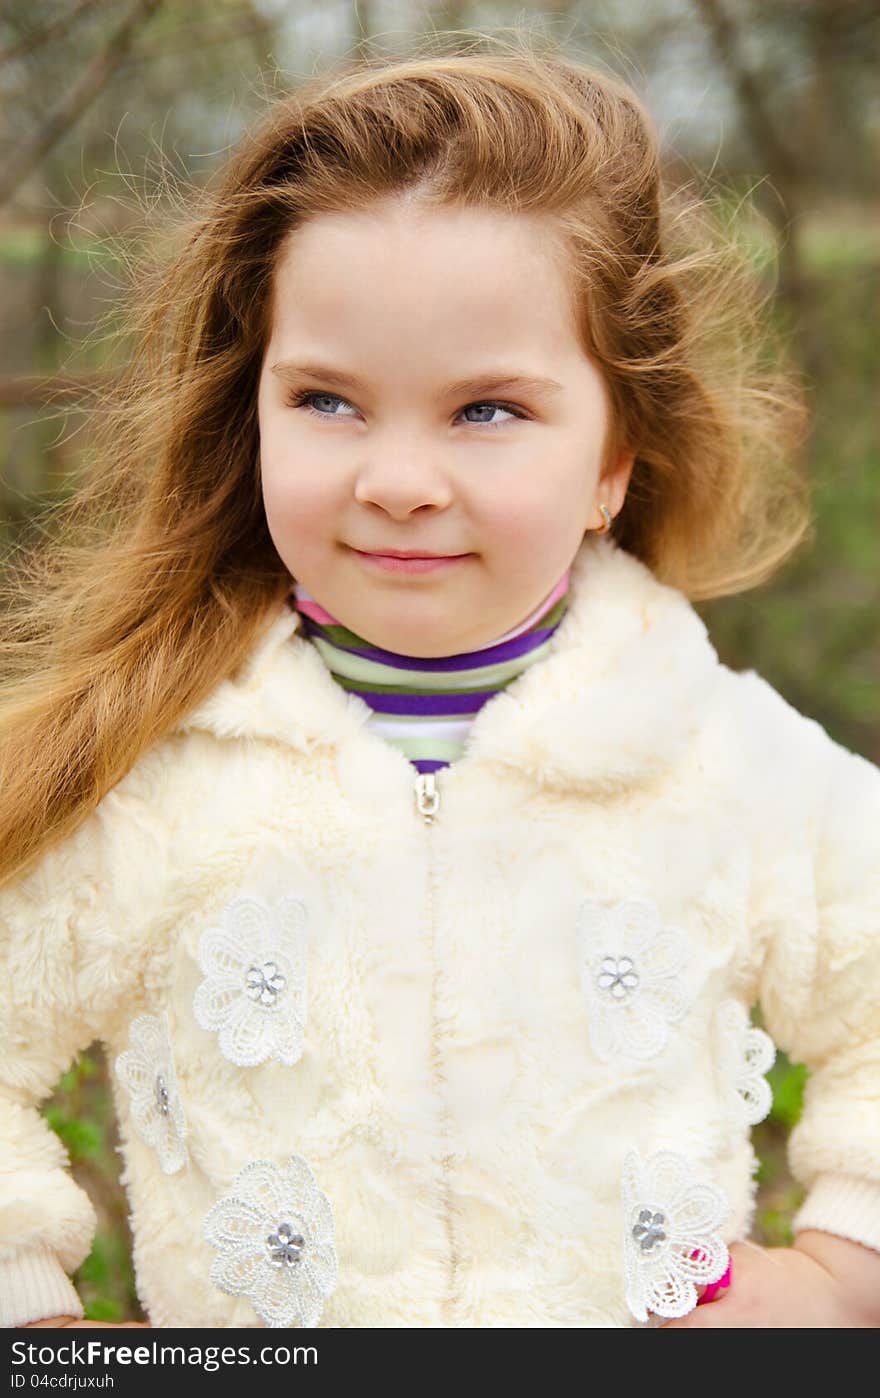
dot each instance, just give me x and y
(401, 482)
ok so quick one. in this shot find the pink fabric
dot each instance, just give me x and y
(312, 609)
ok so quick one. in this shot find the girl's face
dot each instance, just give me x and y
(448, 409)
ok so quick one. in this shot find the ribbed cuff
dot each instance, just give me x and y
(843, 1204)
(35, 1286)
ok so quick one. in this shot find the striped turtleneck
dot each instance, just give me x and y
(425, 707)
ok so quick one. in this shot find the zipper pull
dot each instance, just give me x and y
(427, 795)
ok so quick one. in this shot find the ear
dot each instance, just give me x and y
(614, 480)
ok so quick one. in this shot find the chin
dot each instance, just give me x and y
(419, 644)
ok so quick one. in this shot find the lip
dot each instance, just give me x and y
(411, 563)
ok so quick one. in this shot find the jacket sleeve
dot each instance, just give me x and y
(817, 919)
(71, 945)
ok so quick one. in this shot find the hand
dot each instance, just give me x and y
(67, 1322)
(823, 1282)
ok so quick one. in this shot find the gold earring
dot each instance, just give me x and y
(606, 516)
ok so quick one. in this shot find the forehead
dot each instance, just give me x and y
(478, 277)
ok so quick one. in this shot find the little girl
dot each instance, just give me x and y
(371, 787)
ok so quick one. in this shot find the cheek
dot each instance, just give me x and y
(299, 489)
(546, 511)
(297, 514)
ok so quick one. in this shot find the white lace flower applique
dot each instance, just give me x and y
(630, 970)
(147, 1071)
(254, 992)
(671, 1243)
(274, 1235)
(747, 1053)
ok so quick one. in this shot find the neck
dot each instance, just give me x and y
(425, 706)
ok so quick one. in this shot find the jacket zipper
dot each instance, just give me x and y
(427, 793)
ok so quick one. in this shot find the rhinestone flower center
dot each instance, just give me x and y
(264, 983)
(163, 1098)
(648, 1231)
(617, 976)
(285, 1246)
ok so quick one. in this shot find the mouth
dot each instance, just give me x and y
(406, 553)
(407, 562)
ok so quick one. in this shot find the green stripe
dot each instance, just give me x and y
(425, 690)
(553, 617)
(441, 749)
(422, 718)
(340, 636)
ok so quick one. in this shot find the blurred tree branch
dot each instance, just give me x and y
(756, 116)
(61, 24)
(780, 162)
(78, 99)
(253, 26)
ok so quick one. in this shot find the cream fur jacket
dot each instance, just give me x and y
(471, 1050)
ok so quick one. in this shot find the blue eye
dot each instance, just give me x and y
(493, 406)
(302, 400)
(305, 398)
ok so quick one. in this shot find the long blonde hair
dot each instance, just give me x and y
(155, 577)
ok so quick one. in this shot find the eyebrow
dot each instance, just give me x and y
(479, 383)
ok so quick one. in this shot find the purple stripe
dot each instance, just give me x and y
(471, 660)
(428, 764)
(425, 704)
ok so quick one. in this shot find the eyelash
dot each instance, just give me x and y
(300, 400)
